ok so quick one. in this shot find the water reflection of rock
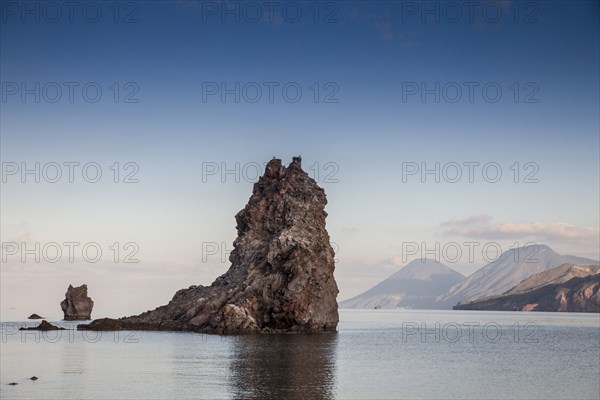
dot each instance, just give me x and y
(300, 366)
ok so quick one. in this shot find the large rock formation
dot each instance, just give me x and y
(281, 274)
(77, 305)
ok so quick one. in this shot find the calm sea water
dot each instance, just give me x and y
(376, 354)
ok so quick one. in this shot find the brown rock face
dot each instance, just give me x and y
(77, 305)
(281, 274)
(579, 294)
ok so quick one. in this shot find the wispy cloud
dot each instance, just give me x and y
(385, 30)
(505, 5)
(475, 219)
(480, 227)
(385, 24)
(19, 233)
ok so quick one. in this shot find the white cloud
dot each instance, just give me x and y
(16, 233)
(475, 219)
(480, 227)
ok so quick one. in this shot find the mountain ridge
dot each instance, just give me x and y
(562, 292)
(414, 285)
(512, 267)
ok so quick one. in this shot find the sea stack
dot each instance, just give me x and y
(77, 305)
(281, 275)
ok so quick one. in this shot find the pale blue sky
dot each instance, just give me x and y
(368, 133)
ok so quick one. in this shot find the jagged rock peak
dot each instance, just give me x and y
(281, 274)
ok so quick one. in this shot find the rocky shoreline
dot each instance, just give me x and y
(43, 326)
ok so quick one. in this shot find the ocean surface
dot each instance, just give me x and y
(378, 354)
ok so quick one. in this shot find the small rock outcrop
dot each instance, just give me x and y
(281, 275)
(34, 316)
(77, 305)
(43, 326)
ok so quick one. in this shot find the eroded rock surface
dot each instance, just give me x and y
(579, 294)
(281, 274)
(77, 305)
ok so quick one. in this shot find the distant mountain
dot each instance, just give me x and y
(562, 292)
(553, 276)
(416, 286)
(581, 260)
(512, 267)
